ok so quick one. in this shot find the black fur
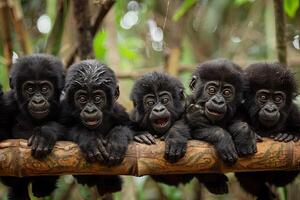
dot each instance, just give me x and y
(275, 77)
(230, 135)
(177, 135)
(108, 142)
(42, 134)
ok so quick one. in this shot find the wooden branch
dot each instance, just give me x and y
(54, 39)
(21, 32)
(105, 6)
(141, 159)
(5, 27)
(83, 24)
(280, 31)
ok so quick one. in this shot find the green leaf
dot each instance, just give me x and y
(241, 2)
(186, 5)
(99, 45)
(291, 7)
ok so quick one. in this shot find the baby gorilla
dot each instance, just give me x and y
(158, 101)
(32, 107)
(217, 93)
(96, 122)
(271, 113)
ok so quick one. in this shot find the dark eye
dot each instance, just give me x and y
(30, 89)
(227, 92)
(97, 99)
(45, 89)
(263, 98)
(211, 90)
(278, 99)
(82, 99)
(150, 103)
(165, 100)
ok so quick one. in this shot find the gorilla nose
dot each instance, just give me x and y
(218, 100)
(38, 101)
(270, 109)
(90, 110)
(159, 108)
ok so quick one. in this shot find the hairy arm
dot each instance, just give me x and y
(292, 127)
(221, 139)
(243, 137)
(119, 136)
(176, 141)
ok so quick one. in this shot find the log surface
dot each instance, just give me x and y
(141, 159)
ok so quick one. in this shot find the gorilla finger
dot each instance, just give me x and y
(163, 138)
(30, 140)
(278, 136)
(102, 149)
(98, 155)
(108, 148)
(90, 156)
(272, 136)
(282, 138)
(259, 138)
(289, 138)
(190, 108)
(151, 138)
(296, 138)
(138, 139)
(35, 143)
(145, 139)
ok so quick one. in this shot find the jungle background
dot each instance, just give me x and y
(138, 36)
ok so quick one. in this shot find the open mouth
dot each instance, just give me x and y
(91, 122)
(162, 122)
(213, 112)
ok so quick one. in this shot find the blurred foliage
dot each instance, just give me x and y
(291, 7)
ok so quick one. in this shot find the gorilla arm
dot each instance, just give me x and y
(176, 141)
(118, 137)
(290, 132)
(44, 138)
(214, 134)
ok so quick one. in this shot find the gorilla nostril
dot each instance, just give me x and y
(90, 111)
(159, 109)
(218, 101)
(38, 101)
(270, 110)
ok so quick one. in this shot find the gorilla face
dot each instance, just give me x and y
(160, 116)
(37, 95)
(219, 94)
(91, 104)
(269, 103)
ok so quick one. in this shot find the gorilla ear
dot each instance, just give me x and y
(117, 93)
(10, 83)
(193, 83)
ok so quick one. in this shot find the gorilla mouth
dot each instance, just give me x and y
(161, 122)
(39, 113)
(92, 122)
(213, 112)
(269, 119)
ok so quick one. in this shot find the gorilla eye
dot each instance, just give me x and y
(278, 99)
(30, 90)
(44, 89)
(82, 99)
(97, 99)
(263, 98)
(150, 103)
(211, 90)
(227, 93)
(165, 100)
